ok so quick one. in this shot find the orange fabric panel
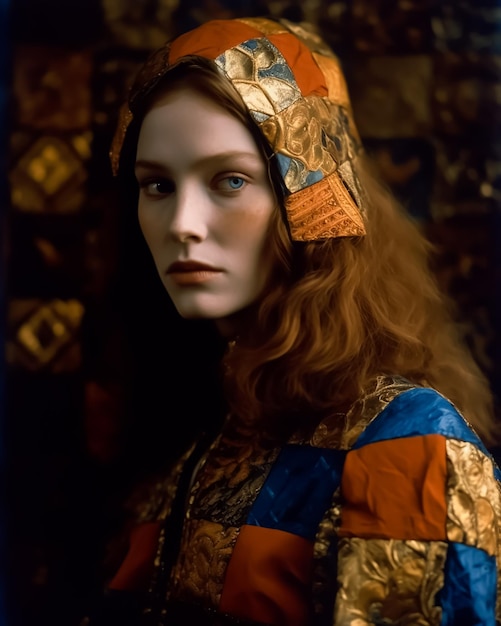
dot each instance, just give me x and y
(396, 490)
(210, 40)
(308, 75)
(136, 569)
(268, 577)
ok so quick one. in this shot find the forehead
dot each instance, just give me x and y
(183, 120)
(189, 106)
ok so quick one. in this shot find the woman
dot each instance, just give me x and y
(342, 487)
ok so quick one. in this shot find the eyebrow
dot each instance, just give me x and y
(219, 157)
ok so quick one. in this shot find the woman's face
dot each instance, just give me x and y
(205, 204)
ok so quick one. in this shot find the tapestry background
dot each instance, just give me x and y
(425, 81)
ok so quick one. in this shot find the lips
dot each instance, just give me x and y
(190, 266)
(185, 273)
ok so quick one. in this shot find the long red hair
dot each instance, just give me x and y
(338, 313)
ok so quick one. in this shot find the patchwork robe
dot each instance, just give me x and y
(387, 515)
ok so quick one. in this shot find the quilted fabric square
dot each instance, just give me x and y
(396, 490)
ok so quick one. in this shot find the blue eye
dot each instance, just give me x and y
(235, 182)
(229, 184)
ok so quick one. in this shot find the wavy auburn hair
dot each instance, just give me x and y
(338, 313)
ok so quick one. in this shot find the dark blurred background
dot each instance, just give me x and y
(425, 81)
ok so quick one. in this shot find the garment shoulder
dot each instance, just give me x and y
(393, 407)
(418, 411)
(341, 430)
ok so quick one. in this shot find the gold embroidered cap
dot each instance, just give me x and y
(294, 88)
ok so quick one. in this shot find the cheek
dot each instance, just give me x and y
(247, 237)
(248, 227)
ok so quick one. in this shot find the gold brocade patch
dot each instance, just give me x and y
(473, 499)
(322, 211)
(389, 581)
(205, 551)
(341, 430)
(235, 465)
(262, 77)
(308, 34)
(336, 84)
(324, 555)
(312, 132)
(263, 25)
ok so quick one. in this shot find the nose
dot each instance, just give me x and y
(189, 221)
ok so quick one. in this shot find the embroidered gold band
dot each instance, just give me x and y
(322, 211)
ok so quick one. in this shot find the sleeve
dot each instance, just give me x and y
(419, 523)
(151, 504)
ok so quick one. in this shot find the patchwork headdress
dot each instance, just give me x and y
(293, 86)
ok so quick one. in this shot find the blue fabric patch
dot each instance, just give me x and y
(259, 116)
(313, 177)
(469, 593)
(284, 163)
(419, 412)
(298, 490)
(279, 70)
(250, 44)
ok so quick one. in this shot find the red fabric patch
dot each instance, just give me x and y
(308, 75)
(396, 490)
(268, 577)
(211, 39)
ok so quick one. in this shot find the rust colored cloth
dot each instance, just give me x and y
(396, 491)
(268, 577)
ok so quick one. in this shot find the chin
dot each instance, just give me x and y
(199, 313)
(211, 313)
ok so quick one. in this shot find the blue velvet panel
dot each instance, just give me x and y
(298, 490)
(468, 597)
(419, 411)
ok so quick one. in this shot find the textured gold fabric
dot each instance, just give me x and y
(336, 83)
(205, 551)
(263, 25)
(324, 576)
(323, 210)
(389, 580)
(473, 498)
(263, 95)
(235, 464)
(313, 131)
(340, 430)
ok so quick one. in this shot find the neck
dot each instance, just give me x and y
(235, 325)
